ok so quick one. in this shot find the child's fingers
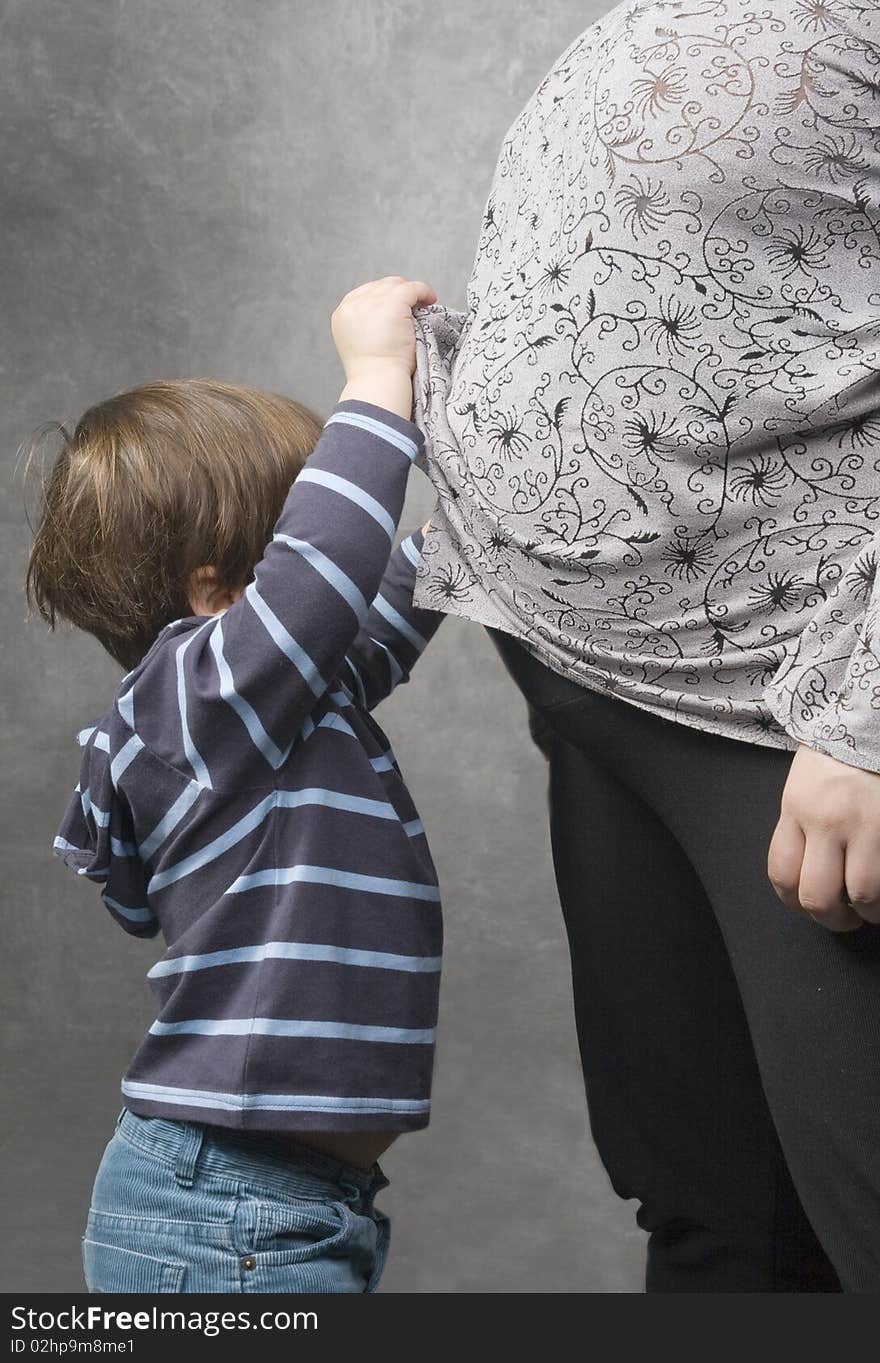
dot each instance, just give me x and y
(416, 290)
(417, 293)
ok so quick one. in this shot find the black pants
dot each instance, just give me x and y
(730, 1047)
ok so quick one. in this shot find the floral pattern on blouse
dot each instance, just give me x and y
(655, 430)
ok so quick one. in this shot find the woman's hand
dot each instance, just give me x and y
(373, 331)
(824, 856)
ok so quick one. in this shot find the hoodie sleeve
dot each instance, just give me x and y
(395, 632)
(96, 838)
(826, 692)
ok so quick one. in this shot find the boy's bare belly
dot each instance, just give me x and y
(360, 1148)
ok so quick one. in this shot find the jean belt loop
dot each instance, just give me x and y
(377, 1182)
(191, 1137)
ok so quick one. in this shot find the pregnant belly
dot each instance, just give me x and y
(654, 431)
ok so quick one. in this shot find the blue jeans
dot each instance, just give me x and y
(182, 1207)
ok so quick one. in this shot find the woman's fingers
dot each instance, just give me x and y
(824, 856)
(822, 886)
(862, 877)
(807, 871)
(784, 857)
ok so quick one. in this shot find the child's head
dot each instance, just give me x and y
(152, 486)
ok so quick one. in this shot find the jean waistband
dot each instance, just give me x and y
(261, 1159)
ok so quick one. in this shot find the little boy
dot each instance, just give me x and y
(238, 795)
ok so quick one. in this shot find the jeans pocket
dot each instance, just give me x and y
(300, 1230)
(114, 1268)
(312, 1245)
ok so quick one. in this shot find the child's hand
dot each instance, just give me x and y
(372, 329)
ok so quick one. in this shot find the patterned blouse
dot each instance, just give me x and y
(655, 431)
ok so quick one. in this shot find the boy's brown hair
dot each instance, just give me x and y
(152, 484)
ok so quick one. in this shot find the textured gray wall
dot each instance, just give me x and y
(190, 189)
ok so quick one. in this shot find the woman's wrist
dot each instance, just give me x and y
(385, 383)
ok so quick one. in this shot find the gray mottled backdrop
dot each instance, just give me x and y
(189, 190)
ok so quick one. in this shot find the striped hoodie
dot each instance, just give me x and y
(239, 796)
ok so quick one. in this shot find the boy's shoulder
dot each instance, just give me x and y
(156, 669)
(161, 648)
(124, 782)
(140, 693)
